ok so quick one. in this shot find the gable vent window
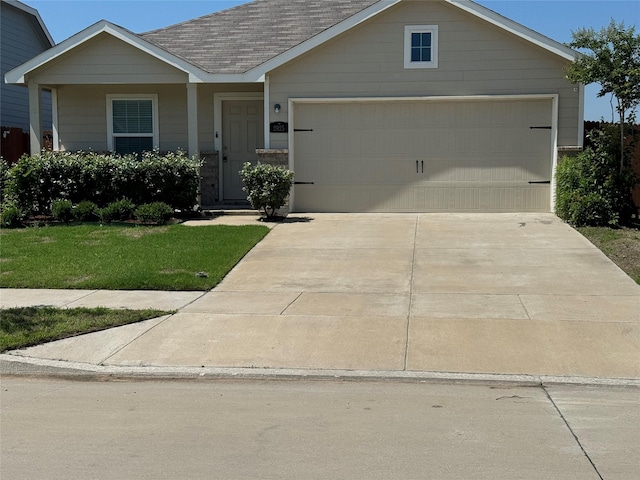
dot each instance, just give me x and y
(132, 123)
(421, 46)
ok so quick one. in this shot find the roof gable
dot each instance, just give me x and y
(19, 75)
(94, 64)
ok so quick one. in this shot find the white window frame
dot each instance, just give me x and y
(156, 123)
(411, 29)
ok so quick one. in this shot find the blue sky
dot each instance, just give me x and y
(555, 19)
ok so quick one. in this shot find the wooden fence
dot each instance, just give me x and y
(590, 126)
(13, 144)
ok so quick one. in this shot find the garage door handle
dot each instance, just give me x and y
(422, 166)
(417, 162)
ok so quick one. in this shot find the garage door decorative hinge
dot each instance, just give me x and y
(541, 128)
(303, 183)
(303, 129)
(543, 182)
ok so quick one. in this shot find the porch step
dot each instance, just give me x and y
(238, 208)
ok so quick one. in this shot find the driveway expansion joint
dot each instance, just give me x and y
(575, 436)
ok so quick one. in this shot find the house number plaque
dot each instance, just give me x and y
(279, 127)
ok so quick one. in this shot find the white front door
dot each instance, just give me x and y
(242, 133)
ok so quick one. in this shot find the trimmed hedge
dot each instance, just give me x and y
(34, 183)
(4, 177)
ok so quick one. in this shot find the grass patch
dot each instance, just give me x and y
(123, 257)
(25, 327)
(621, 245)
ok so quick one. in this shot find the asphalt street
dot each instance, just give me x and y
(300, 429)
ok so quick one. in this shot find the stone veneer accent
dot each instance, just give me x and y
(276, 157)
(210, 171)
(209, 179)
(568, 152)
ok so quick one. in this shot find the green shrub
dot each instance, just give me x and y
(86, 211)
(171, 178)
(36, 181)
(62, 210)
(157, 213)
(11, 216)
(267, 186)
(4, 178)
(120, 210)
(591, 189)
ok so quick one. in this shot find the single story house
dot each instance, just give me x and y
(377, 105)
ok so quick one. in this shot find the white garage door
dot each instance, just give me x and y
(423, 156)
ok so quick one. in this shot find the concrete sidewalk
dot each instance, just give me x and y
(515, 294)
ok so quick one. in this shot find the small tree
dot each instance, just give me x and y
(267, 186)
(610, 57)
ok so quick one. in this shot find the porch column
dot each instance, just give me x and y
(192, 118)
(35, 118)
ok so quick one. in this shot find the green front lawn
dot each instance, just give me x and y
(109, 257)
(24, 327)
(621, 245)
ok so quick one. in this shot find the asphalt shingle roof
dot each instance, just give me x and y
(241, 38)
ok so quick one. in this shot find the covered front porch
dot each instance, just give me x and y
(221, 124)
(112, 92)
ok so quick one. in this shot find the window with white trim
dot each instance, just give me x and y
(421, 46)
(132, 123)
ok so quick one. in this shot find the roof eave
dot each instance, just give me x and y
(19, 74)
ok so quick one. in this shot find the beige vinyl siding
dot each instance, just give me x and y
(106, 59)
(475, 58)
(82, 114)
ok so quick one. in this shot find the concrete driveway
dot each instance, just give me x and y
(476, 293)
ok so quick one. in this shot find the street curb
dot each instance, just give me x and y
(12, 365)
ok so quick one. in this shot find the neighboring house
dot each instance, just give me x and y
(378, 106)
(23, 35)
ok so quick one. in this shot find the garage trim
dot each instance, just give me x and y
(475, 98)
